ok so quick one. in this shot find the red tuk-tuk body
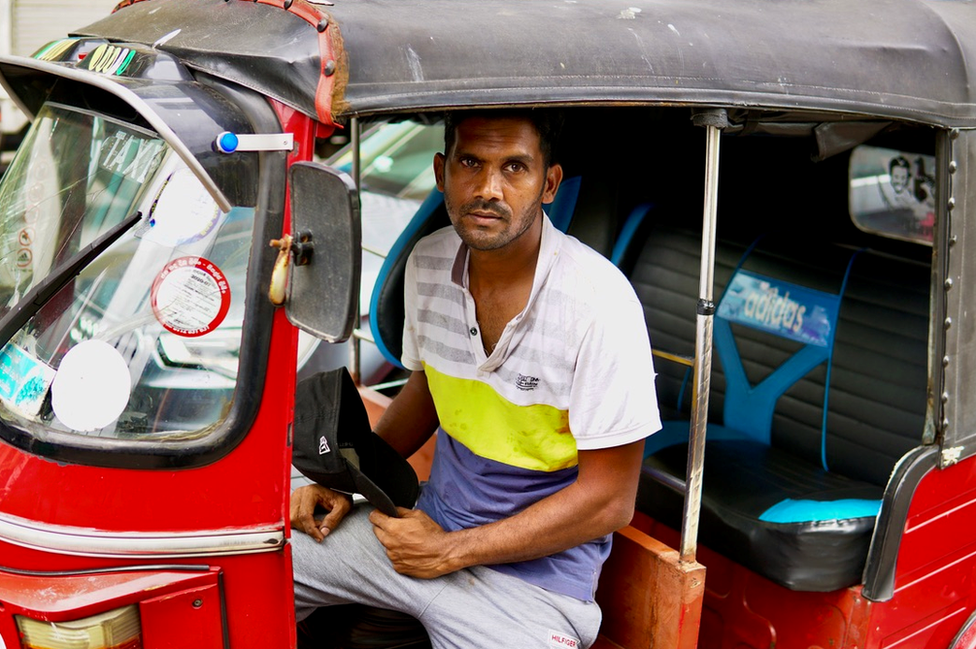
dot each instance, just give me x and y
(931, 605)
(147, 373)
(186, 592)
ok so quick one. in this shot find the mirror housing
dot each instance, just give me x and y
(324, 251)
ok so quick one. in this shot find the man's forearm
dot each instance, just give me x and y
(561, 521)
(599, 502)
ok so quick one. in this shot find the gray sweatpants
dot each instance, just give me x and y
(469, 609)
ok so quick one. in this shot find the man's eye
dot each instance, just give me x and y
(468, 162)
(516, 167)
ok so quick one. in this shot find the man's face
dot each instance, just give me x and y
(495, 180)
(899, 178)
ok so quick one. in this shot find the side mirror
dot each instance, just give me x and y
(321, 260)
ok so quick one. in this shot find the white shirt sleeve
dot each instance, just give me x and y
(613, 401)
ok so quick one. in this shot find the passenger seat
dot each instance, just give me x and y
(818, 389)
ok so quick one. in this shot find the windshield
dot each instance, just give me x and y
(144, 341)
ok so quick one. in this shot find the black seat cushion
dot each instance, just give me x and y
(742, 480)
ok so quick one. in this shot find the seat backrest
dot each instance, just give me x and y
(879, 379)
(850, 395)
(777, 315)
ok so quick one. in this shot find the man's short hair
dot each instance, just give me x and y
(548, 124)
(899, 161)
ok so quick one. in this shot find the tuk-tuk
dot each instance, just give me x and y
(788, 185)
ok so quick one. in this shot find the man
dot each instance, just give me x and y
(530, 353)
(912, 196)
(898, 193)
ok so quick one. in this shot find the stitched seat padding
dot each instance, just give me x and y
(876, 402)
(742, 479)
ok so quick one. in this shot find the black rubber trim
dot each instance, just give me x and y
(879, 571)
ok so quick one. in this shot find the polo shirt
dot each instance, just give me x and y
(572, 371)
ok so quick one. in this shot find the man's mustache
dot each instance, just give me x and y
(486, 206)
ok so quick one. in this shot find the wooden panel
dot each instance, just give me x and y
(649, 597)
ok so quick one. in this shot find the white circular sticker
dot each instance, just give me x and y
(190, 296)
(92, 386)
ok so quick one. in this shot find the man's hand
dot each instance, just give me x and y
(414, 543)
(302, 509)
(600, 501)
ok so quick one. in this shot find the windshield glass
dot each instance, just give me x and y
(144, 342)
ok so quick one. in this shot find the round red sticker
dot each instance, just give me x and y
(190, 296)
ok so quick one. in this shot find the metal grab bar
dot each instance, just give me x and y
(714, 120)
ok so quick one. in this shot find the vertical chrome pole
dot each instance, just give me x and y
(714, 121)
(354, 343)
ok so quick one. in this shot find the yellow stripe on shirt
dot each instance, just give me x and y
(534, 437)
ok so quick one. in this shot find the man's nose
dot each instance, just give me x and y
(490, 184)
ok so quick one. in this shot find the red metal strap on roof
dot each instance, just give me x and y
(329, 63)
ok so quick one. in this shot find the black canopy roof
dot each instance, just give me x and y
(909, 59)
(897, 58)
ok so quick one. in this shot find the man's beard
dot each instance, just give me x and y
(470, 236)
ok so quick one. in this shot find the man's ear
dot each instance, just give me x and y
(439, 170)
(554, 176)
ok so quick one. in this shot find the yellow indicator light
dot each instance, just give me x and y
(118, 629)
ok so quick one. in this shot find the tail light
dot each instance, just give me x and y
(118, 629)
